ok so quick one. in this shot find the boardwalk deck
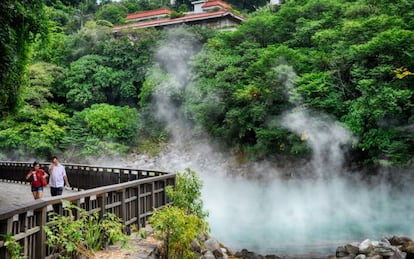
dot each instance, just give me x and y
(13, 195)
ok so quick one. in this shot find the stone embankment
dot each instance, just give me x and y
(389, 248)
(392, 248)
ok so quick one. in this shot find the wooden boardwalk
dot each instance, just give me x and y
(15, 194)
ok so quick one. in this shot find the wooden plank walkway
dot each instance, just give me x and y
(16, 194)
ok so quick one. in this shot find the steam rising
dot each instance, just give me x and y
(279, 216)
(325, 137)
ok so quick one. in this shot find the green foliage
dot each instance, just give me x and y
(21, 22)
(187, 193)
(33, 131)
(13, 247)
(344, 54)
(320, 92)
(335, 57)
(179, 224)
(113, 12)
(177, 229)
(44, 84)
(104, 69)
(88, 80)
(70, 236)
(103, 129)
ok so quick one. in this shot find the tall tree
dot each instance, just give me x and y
(21, 22)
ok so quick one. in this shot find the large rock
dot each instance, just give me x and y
(208, 255)
(352, 248)
(408, 248)
(195, 246)
(366, 247)
(214, 246)
(341, 251)
(245, 254)
(383, 248)
(397, 241)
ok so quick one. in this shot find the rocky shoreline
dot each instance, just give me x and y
(395, 247)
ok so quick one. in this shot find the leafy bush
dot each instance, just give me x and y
(177, 229)
(103, 129)
(33, 131)
(13, 247)
(69, 236)
(187, 193)
(179, 224)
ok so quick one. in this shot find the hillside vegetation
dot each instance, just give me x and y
(69, 86)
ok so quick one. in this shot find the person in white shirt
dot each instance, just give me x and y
(58, 177)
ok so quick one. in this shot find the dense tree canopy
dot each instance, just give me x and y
(20, 23)
(340, 57)
(350, 60)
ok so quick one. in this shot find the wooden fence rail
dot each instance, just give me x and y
(132, 196)
(80, 176)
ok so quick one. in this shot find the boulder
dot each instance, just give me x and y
(398, 255)
(341, 251)
(214, 246)
(195, 246)
(383, 248)
(366, 247)
(352, 248)
(245, 254)
(408, 248)
(397, 241)
(208, 255)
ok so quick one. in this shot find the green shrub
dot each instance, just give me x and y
(68, 236)
(179, 224)
(177, 229)
(13, 247)
(187, 193)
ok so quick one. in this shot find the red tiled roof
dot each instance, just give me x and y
(148, 14)
(187, 18)
(212, 3)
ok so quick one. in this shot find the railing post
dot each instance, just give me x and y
(138, 208)
(152, 195)
(9, 229)
(123, 206)
(101, 204)
(165, 193)
(41, 236)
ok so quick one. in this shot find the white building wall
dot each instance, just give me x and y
(198, 6)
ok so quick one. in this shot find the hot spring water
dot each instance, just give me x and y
(279, 216)
(302, 216)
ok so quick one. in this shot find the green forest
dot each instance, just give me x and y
(70, 86)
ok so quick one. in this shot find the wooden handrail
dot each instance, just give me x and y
(81, 176)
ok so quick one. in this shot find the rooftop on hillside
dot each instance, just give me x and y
(211, 13)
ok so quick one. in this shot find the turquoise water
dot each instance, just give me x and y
(303, 216)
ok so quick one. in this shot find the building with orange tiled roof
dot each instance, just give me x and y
(211, 5)
(153, 14)
(207, 13)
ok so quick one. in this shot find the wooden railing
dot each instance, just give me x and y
(80, 176)
(131, 200)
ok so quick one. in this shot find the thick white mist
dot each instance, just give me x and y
(275, 215)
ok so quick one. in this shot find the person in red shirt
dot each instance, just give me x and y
(36, 176)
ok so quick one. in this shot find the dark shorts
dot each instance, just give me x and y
(36, 189)
(55, 191)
